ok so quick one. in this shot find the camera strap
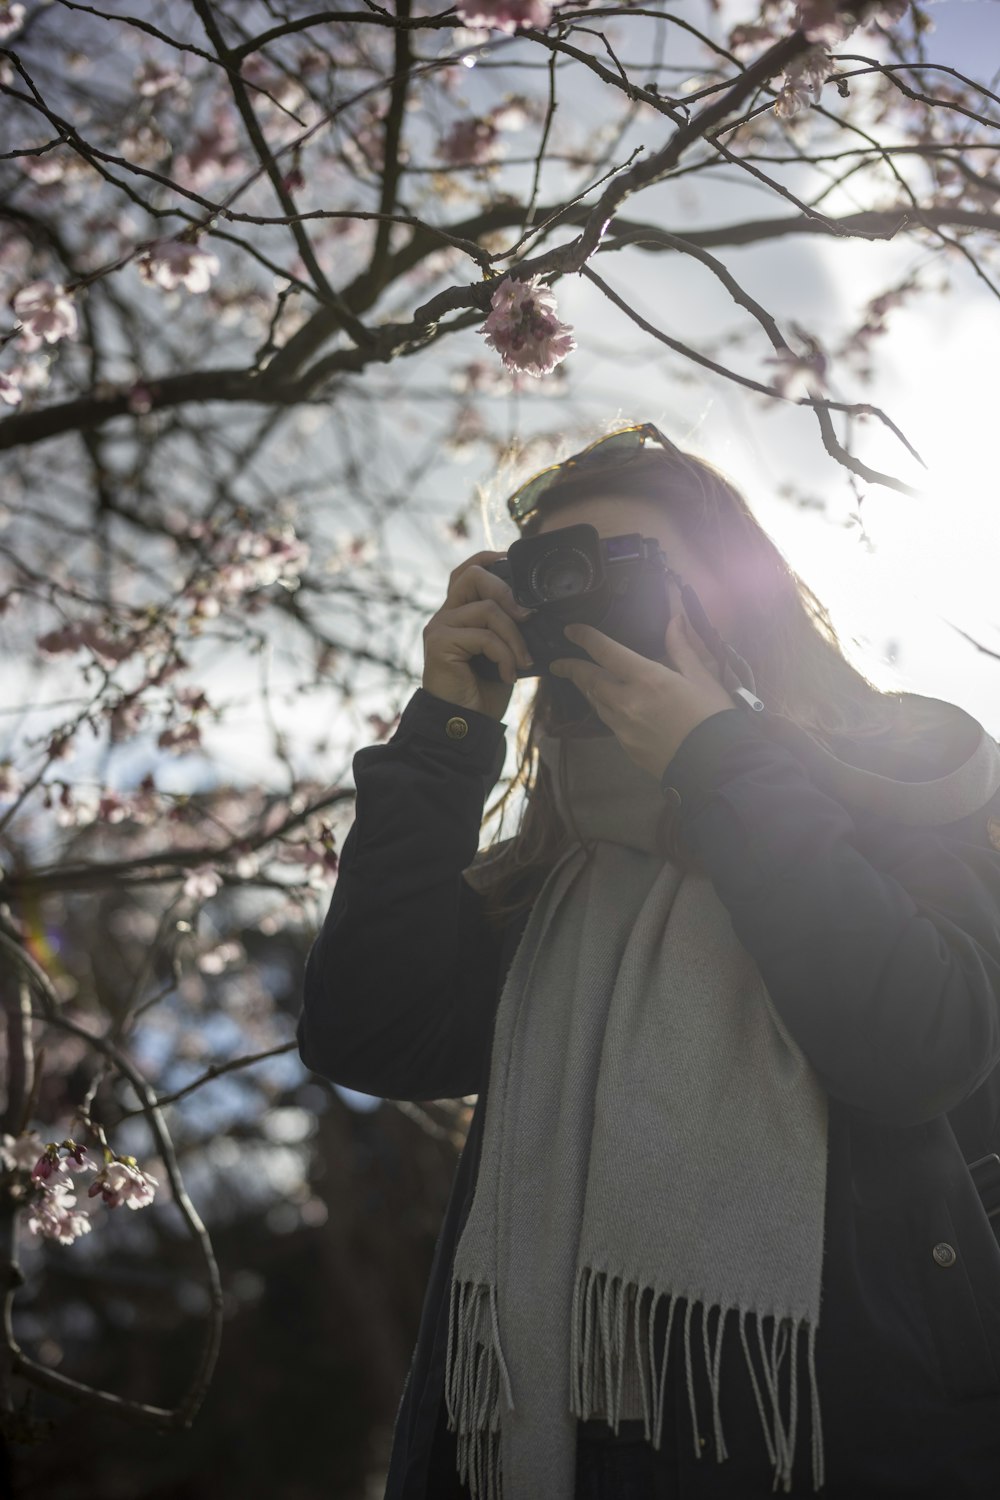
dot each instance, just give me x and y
(737, 676)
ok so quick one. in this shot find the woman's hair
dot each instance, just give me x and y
(780, 628)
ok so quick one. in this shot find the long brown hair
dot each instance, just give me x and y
(782, 630)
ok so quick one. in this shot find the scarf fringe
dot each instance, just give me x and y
(606, 1322)
(473, 1367)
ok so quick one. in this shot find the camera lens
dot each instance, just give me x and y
(561, 573)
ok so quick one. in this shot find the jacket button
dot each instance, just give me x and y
(672, 796)
(944, 1254)
(456, 728)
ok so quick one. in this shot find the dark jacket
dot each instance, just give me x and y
(877, 932)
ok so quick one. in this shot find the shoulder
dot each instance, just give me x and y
(930, 764)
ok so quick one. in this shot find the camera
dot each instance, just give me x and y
(617, 583)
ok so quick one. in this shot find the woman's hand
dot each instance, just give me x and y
(479, 616)
(649, 707)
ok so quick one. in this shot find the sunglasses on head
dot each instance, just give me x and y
(615, 448)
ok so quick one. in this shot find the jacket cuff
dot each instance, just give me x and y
(464, 732)
(708, 756)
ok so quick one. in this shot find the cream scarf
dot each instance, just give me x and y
(651, 1128)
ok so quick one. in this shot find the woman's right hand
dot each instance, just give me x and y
(477, 618)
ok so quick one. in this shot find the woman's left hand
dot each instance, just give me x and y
(649, 707)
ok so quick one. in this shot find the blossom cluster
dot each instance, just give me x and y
(51, 1209)
(474, 140)
(243, 562)
(505, 15)
(169, 264)
(523, 328)
(825, 23)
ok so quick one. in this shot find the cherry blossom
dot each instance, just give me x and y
(216, 960)
(829, 22)
(11, 19)
(46, 312)
(214, 153)
(111, 808)
(20, 1153)
(30, 374)
(523, 328)
(54, 1217)
(145, 144)
(824, 21)
(888, 12)
(154, 78)
(470, 142)
(505, 15)
(10, 393)
(750, 36)
(180, 738)
(51, 1164)
(803, 82)
(172, 263)
(122, 1181)
(92, 636)
(802, 374)
(201, 884)
(11, 785)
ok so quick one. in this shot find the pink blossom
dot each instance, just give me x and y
(797, 375)
(122, 1181)
(53, 1217)
(172, 263)
(145, 144)
(749, 36)
(215, 152)
(523, 329)
(824, 21)
(20, 1153)
(888, 12)
(9, 392)
(215, 960)
(11, 19)
(111, 808)
(803, 81)
(505, 15)
(470, 142)
(319, 858)
(30, 374)
(91, 635)
(11, 785)
(830, 22)
(140, 398)
(51, 1164)
(180, 738)
(126, 717)
(154, 78)
(201, 884)
(193, 699)
(45, 169)
(46, 312)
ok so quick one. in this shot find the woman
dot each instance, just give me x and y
(730, 1002)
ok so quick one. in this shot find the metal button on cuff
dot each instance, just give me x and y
(944, 1254)
(456, 728)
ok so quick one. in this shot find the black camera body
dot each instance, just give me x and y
(617, 583)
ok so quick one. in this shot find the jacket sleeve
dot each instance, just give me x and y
(400, 983)
(879, 947)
